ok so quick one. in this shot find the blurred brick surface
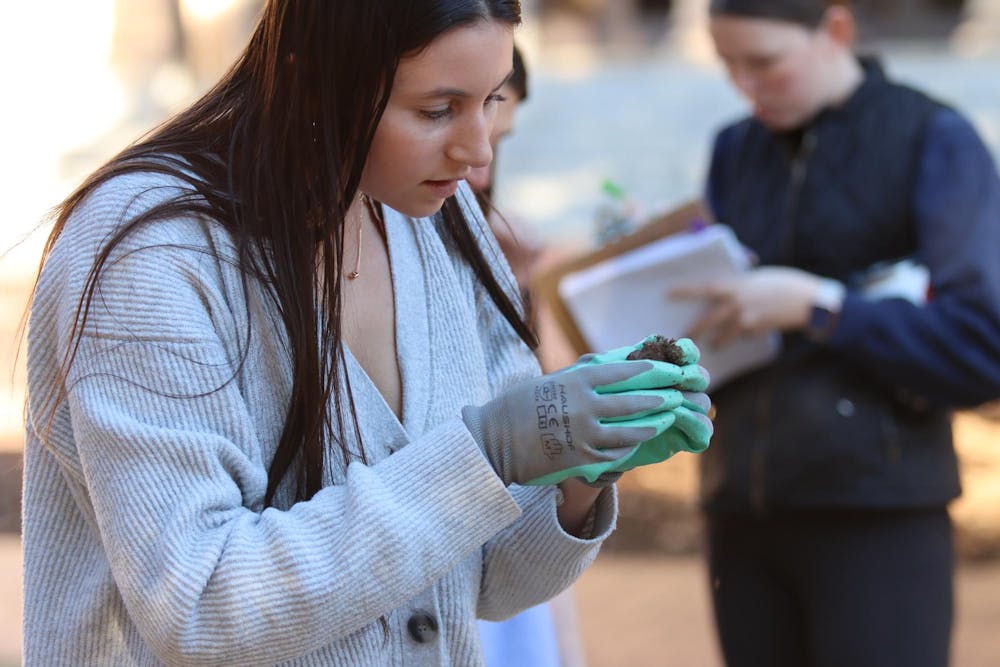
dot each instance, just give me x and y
(654, 611)
(10, 600)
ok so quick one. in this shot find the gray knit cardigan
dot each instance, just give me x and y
(146, 540)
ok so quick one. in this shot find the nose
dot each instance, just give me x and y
(470, 146)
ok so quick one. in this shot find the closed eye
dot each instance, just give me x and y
(436, 114)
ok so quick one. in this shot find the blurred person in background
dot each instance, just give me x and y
(875, 213)
(521, 248)
(545, 635)
(282, 401)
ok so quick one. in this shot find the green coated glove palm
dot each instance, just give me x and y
(682, 429)
(688, 376)
(683, 426)
(561, 421)
(689, 352)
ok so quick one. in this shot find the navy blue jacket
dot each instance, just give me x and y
(861, 420)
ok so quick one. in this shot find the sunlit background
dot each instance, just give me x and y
(626, 90)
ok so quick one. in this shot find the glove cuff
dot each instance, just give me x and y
(604, 480)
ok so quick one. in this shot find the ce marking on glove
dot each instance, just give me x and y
(552, 412)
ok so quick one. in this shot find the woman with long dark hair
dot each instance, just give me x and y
(281, 395)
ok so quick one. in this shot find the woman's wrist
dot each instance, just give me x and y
(577, 507)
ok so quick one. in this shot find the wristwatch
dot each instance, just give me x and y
(827, 303)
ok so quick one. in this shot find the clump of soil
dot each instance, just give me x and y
(659, 348)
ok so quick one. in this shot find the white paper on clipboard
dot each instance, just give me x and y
(621, 300)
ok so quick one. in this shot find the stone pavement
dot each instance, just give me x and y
(640, 611)
(649, 611)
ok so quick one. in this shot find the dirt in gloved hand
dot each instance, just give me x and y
(659, 348)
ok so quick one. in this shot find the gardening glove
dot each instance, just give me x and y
(688, 348)
(692, 401)
(659, 451)
(690, 432)
(680, 429)
(561, 422)
(688, 376)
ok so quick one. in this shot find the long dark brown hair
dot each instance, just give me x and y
(274, 153)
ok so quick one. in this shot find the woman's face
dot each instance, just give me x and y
(779, 66)
(437, 124)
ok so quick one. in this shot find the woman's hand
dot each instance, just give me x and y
(578, 501)
(563, 420)
(767, 298)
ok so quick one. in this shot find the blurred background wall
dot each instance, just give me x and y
(626, 90)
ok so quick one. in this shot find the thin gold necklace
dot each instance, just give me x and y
(370, 207)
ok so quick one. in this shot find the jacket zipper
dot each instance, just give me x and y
(763, 412)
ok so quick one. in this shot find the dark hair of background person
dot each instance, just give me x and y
(519, 82)
(274, 153)
(807, 12)
(519, 76)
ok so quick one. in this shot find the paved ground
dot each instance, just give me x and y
(654, 612)
(640, 611)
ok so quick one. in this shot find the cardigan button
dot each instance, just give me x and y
(422, 627)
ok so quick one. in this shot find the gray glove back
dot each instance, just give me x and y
(554, 422)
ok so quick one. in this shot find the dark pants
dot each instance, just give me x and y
(833, 588)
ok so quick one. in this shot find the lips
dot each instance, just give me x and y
(442, 189)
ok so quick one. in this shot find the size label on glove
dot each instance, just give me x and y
(552, 410)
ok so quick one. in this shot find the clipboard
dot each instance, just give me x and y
(616, 295)
(546, 283)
